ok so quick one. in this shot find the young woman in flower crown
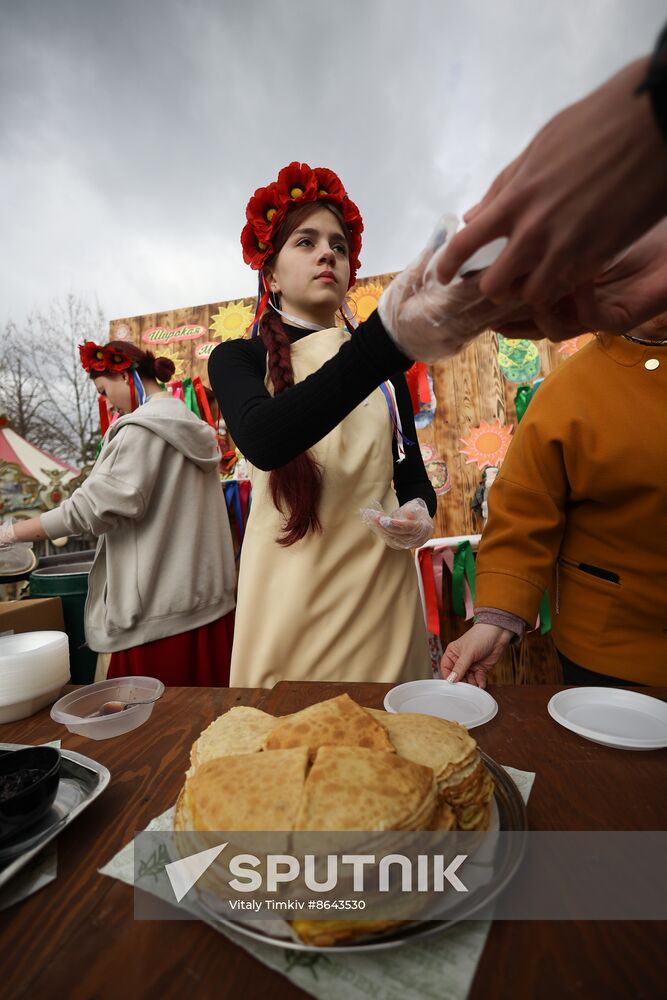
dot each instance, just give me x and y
(325, 420)
(161, 589)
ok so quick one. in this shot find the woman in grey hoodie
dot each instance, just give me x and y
(161, 589)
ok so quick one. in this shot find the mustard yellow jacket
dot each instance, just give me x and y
(580, 506)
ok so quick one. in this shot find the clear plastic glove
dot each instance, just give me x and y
(430, 321)
(408, 527)
(7, 534)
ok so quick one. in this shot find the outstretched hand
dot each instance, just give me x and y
(623, 297)
(471, 656)
(590, 183)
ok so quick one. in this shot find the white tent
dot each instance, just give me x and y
(30, 478)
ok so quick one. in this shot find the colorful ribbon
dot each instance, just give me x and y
(190, 397)
(238, 499)
(425, 557)
(545, 614)
(233, 501)
(523, 396)
(422, 382)
(104, 414)
(176, 390)
(263, 295)
(204, 408)
(463, 570)
(107, 418)
(448, 555)
(420, 392)
(401, 439)
(139, 386)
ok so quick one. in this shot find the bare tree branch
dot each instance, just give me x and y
(45, 393)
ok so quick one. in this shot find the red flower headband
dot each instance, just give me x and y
(296, 183)
(96, 358)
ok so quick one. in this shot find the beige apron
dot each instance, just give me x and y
(338, 605)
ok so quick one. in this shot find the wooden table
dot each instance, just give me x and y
(77, 937)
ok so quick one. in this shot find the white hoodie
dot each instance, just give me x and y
(164, 562)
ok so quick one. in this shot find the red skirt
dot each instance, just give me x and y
(198, 658)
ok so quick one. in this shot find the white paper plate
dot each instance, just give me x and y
(612, 716)
(461, 702)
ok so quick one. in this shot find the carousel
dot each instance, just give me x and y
(31, 481)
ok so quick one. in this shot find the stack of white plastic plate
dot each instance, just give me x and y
(34, 666)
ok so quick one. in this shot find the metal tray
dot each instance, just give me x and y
(81, 781)
(511, 816)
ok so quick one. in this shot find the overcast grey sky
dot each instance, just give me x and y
(132, 132)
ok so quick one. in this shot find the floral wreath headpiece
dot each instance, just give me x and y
(98, 358)
(111, 361)
(266, 211)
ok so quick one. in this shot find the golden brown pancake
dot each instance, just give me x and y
(247, 792)
(425, 739)
(354, 788)
(240, 730)
(336, 722)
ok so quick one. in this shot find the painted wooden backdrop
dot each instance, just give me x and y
(472, 425)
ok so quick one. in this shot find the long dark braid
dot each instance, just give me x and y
(296, 487)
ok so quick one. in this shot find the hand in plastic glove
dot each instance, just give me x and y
(408, 527)
(430, 321)
(21, 532)
(7, 534)
(473, 654)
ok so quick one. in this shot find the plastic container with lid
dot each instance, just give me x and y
(78, 709)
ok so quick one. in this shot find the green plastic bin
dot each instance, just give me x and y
(69, 582)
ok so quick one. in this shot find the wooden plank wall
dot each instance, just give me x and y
(469, 389)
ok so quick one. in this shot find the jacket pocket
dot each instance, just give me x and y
(122, 603)
(584, 602)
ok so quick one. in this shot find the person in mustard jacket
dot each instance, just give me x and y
(580, 507)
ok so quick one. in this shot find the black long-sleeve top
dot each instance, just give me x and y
(271, 431)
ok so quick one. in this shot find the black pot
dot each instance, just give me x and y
(26, 806)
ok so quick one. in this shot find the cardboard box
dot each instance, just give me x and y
(39, 614)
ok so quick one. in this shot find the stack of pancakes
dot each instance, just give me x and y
(464, 784)
(334, 766)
